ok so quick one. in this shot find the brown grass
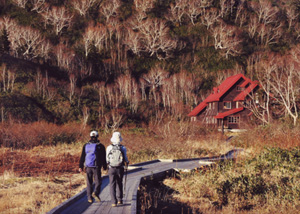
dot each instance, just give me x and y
(36, 194)
(25, 136)
(38, 179)
(46, 170)
(268, 158)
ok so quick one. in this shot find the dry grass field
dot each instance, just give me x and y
(36, 178)
(265, 178)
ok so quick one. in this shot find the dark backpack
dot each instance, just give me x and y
(115, 156)
(90, 156)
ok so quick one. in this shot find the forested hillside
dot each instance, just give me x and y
(110, 63)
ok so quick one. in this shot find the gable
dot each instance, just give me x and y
(247, 91)
(223, 88)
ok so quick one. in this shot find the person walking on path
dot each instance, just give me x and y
(93, 158)
(116, 157)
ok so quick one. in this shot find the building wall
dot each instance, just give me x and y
(229, 96)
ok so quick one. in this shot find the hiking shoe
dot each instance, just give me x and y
(90, 201)
(120, 202)
(97, 198)
(114, 205)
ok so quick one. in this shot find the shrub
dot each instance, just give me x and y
(266, 182)
(18, 135)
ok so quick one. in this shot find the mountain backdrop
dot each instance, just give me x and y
(112, 63)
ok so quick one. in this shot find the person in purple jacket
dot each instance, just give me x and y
(93, 158)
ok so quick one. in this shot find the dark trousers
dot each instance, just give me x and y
(93, 175)
(116, 183)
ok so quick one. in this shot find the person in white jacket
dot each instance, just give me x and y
(116, 157)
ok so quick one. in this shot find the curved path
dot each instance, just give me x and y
(157, 169)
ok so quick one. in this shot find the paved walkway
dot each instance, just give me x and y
(148, 170)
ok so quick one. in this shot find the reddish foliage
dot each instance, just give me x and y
(26, 136)
(26, 164)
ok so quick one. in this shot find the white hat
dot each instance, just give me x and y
(116, 138)
(94, 134)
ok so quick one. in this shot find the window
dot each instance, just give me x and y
(256, 98)
(239, 88)
(234, 119)
(227, 105)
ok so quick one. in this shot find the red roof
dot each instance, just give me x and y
(223, 88)
(243, 85)
(247, 91)
(227, 113)
(226, 85)
(198, 109)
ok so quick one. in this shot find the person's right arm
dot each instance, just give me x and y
(82, 159)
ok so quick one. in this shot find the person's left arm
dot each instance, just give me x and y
(124, 150)
(102, 156)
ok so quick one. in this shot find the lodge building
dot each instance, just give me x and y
(225, 106)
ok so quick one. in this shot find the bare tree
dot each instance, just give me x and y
(281, 79)
(142, 7)
(85, 69)
(253, 26)
(7, 23)
(209, 16)
(134, 41)
(253, 62)
(73, 79)
(151, 36)
(100, 87)
(266, 12)
(241, 13)
(286, 88)
(297, 30)
(42, 86)
(292, 15)
(28, 42)
(177, 11)
(58, 17)
(113, 121)
(85, 116)
(20, 3)
(226, 7)
(94, 35)
(156, 38)
(269, 34)
(227, 39)
(38, 5)
(154, 79)
(167, 93)
(64, 56)
(82, 6)
(7, 78)
(195, 7)
(110, 9)
(112, 27)
(261, 109)
(129, 91)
